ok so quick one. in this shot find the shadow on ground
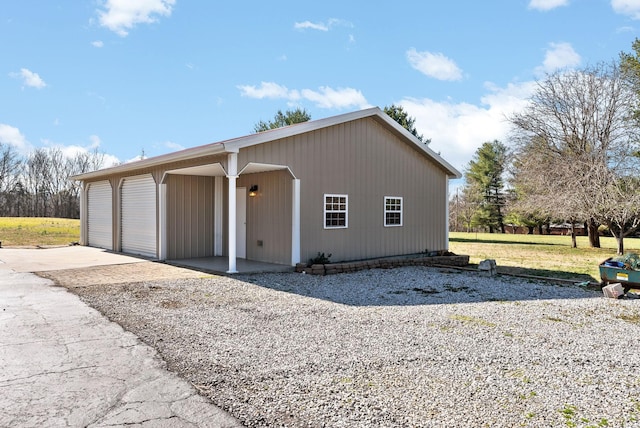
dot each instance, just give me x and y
(501, 241)
(551, 274)
(410, 286)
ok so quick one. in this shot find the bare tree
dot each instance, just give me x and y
(10, 170)
(462, 208)
(57, 183)
(39, 184)
(578, 144)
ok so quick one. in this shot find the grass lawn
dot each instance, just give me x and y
(542, 255)
(43, 231)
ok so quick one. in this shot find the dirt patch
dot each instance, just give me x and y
(118, 274)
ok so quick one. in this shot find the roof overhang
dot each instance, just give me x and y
(183, 155)
(254, 167)
(209, 170)
(234, 145)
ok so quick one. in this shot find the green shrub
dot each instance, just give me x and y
(320, 259)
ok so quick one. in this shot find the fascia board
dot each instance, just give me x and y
(187, 154)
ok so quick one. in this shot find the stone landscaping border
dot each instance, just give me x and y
(384, 263)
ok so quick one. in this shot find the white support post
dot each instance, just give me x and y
(162, 226)
(232, 176)
(218, 214)
(295, 223)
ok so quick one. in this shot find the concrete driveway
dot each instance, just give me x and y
(71, 257)
(64, 364)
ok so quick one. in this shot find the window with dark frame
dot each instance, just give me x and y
(335, 211)
(392, 211)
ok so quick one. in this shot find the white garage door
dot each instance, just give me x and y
(99, 220)
(138, 215)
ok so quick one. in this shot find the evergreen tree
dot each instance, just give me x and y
(484, 179)
(290, 117)
(398, 114)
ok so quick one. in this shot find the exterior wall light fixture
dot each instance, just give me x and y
(253, 190)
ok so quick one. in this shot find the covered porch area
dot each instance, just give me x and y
(220, 265)
(245, 218)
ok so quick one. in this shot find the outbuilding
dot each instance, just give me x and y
(357, 185)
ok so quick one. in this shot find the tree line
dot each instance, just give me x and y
(573, 157)
(38, 185)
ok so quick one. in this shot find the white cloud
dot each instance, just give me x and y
(322, 26)
(95, 141)
(109, 160)
(97, 44)
(12, 136)
(269, 90)
(341, 98)
(558, 56)
(310, 25)
(545, 5)
(72, 150)
(324, 97)
(625, 29)
(434, 65)
(458, 129)
(29, 78)
(627, 7)
(135, 159)
(173, 146)
(120, 16)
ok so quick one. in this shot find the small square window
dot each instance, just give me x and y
(392, 211)
(335, 211)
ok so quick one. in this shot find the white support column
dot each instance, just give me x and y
(295, 223)
(162, 223)
(232, 176)
(84, 220)
(218, 214)
(446, 218)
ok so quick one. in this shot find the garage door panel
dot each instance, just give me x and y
(100, 218)
(138, 216)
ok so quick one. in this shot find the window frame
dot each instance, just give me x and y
(334, 211)
(386, 211)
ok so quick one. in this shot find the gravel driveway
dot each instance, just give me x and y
(407, 347)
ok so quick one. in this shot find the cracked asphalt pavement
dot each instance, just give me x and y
(64, 364)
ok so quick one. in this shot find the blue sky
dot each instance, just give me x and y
(157, 76)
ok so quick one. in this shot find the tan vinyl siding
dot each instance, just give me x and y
(367, 162)
(365, 159)
(189, 216)
(158, 174)
(269, 216)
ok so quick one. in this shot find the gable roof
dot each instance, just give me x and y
(234, 145)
